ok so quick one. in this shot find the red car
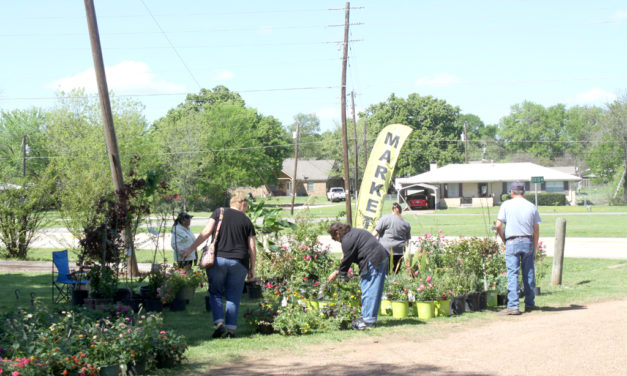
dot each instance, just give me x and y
(418, 202)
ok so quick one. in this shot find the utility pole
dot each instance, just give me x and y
(365, 144)
(295, 166)
(356, 146)
(107, 120)
(343, 112)
(24, 156)
(466, 141)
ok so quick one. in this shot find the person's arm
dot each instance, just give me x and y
(536, 237)
(500, 229)
(252, 251)
(204, 234)
(375, 233)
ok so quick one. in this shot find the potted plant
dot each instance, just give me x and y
(426, 294)
(396, 292)
(103, 284)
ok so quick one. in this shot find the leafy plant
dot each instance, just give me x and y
(294, 319)
(103, 282)
(426, 290)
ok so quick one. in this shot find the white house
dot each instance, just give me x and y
(482, 184)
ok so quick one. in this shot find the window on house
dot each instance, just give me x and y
(452, 190)
(483, 189)
(555, 186)
(310, 186)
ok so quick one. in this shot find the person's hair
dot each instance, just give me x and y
(338, 227)
(238, 196)
(179, 218)
(397, 206)
(518, 191)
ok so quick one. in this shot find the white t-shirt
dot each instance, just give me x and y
(519, 216)
(182, 237)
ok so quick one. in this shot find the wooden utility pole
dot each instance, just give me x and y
(356, 147)
(558, 253)
(343, 112)
(107, 120)
(365, 144)
(466, 141)
(295, 166)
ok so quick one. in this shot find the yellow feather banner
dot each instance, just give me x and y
(378, 173)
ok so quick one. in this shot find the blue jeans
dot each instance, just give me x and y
(519, 252)
(371, 290)
(226, 279)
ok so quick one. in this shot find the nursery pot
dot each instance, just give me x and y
(254, 290)
(144, 291)
(136, 368)
(153, 305)
(426, 310)
(472, 302)
(536, 291)
(78, 296)
(133, 301)
(185, 293)
(501, 299)
(400, 310)
(483, 300)
(442, 308)
(112, 370)
(492, 298)
(165, 362)
(386, 308)
(458, 305)
(177, 305)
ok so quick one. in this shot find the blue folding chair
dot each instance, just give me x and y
(64, 283)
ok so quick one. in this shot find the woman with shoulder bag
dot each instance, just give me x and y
(235, 254)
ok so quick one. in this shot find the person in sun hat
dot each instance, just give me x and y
(182, 237)
(520, 235)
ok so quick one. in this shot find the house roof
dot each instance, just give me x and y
(487, 173)
(308, 169)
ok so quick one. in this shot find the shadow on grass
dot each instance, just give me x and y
(583, 282)
(571, 307)
(370, 368)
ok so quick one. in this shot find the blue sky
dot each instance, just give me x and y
(284, 57)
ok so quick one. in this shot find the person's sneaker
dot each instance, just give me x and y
(510, 311)
(529, 308)
(229, 335)
(360, 324)
(219, 332)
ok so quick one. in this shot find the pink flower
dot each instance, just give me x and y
(306, 248)
(300, 247)
(284, 246)
(269, 285)
(440, 231)
(315, 256)
(420, 254)
(308, 258)
(422, 287)
(429, 279)
(430, 285)
(317, 283)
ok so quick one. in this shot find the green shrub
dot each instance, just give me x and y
(547, 199)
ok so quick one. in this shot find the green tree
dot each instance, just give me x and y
(308, 136)
(436, 135)
(532, 128)
(219, 144)
(16, 126)
(76, 140)
(482, 141)
(22, 212)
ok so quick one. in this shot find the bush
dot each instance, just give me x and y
(547, 199)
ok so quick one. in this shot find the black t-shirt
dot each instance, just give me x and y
(359, 246)
(233, 237)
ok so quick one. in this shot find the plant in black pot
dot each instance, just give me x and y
(103, 284)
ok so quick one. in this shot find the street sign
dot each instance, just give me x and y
(537, 179)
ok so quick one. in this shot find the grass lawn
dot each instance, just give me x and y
(584, 281)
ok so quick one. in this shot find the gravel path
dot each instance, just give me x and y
(575, 340)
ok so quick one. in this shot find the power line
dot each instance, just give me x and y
(172, 45)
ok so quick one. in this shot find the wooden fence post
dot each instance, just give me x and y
(558, 254)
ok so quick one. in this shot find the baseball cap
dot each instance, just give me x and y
(183, 215)
(518, 186)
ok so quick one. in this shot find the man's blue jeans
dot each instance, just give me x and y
(519, 253)
(371, 290)
(226, 279)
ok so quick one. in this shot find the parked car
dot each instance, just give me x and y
(336, 194)
(418, 201)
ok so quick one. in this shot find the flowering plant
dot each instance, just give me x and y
(541, 267)
(426, 290)
(177, 279)
(22, 367)
(397, 288)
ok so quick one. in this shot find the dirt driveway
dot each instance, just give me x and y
(575, 340)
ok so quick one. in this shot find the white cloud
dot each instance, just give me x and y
(595, 96)
(619, 16)
(224, 75)
(127, 77)
(438, 80)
